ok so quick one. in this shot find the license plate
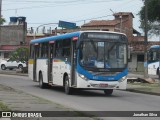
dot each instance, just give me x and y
(103, 85)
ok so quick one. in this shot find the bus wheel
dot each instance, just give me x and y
(41, 83)
(67, 89)
(108, 91)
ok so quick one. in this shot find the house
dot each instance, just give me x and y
(123, 22)
(12, 36)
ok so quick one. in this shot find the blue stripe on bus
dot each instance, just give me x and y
(155, 46)
(90, 76)
(52, 38)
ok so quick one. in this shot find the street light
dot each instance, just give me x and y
(41, 26)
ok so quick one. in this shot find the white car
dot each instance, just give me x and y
(11, 64)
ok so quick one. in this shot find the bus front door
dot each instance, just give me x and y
(36, 52)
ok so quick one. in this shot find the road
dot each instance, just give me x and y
(86, 100)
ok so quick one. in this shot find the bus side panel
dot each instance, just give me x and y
(59, 68)
(30, 68)
(42, 66)
(152, 68)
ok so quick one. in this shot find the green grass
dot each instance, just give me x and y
(145, 84)
(4, 107)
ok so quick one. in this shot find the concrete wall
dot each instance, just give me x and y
(133, 64)
(140, 66)
(12, 34)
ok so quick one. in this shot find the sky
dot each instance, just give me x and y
(39, 12)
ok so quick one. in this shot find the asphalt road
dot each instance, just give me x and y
(86, 100)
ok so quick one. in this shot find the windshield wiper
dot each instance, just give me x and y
(93, 45)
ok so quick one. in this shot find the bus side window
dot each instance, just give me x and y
(58, 49)
(36, 51)
(31, 51)
(66, 48)
(63, 49)
(44, 50)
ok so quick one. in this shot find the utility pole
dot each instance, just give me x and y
(0, 8)
(0, 17)
(146, 38)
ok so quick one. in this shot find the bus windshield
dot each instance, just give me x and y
(98, 54)
(153, 55)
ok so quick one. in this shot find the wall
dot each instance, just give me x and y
(12, 34)
(133, 64)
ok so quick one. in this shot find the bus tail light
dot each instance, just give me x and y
(75, 38)
(51, 42)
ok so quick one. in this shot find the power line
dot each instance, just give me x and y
(74, 21)
(60, 3)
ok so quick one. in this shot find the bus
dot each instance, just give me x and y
(153, 60)
(89, 60)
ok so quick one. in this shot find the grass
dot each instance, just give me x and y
(146, 87)
(4, 107)
(145, 84)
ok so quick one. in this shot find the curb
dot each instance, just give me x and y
(19, 74)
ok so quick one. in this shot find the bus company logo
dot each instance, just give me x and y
(6, 114)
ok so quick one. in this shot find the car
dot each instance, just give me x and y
(11, 64)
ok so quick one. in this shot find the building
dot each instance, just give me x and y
(123, 22)
(16, 35)
(12, 36)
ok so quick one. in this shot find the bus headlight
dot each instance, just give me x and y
(122, 79)
(82, 76)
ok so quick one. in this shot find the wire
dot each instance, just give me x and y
(59, 3)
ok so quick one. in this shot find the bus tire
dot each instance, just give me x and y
(41, 83)
(108, 91)
(67, 89)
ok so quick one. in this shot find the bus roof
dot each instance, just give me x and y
(155, 47)
(64, 36)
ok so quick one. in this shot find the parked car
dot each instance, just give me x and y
(11, 64)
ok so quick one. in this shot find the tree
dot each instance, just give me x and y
(153, 14)
(2, 21)
(20, 55)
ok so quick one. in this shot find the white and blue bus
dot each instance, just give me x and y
(153, 60)
(80, 60)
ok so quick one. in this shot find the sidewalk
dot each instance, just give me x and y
(16, 100)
